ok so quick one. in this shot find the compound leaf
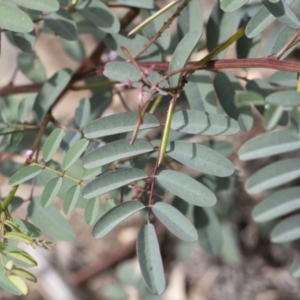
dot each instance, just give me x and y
(186, 188)
(277, 204)
(176, 222)
(150, 259)
(115, 216)
(200, 158)
(112, 180)
(118, 123)
(273, 175)
(115, 151)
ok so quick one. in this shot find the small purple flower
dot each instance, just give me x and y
(29, 154)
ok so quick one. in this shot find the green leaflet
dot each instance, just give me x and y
(41, 5)
(208, 229)
(52, 143)
(200, 158)
(277, 204)
(148, 4)
(115, 216)
(112, 180)
(133, 45)
(231, 5)
(150, 259)
(50, 221)
(24, 41)
(219, 28)
(268, 144)
(118, 123)
(248, 99)
(27, 228)
(227, 87)
(49, 92)
(91, 211)
(99, 14)
(74, 153)
(272, 115)
(204, 123)
(62, 24)
(273, 175)
(24, 174)
(182, 54)
(14, 19)
(71, 198)
(186, 188)
(295, 121)
(115, 151)
(282, 12)
(31, 67)
(74, 49)
(284, 98)
(176, 222)
(19, 283)
(295, 268)
(6, 284)
(287, 230)
(222, 147)
(21, 256)
(82, 112)
(51, 190)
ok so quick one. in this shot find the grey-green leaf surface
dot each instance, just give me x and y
(5, 283)
(182, 54)
(284, 98)
(175, 221)
(200, 91)
(51, 190)
(246, 98)
(71, 198)
(231, 5)
(227, 86)
(14, 19)
(100, 15)
(115, 151)
(287, 230)
(112, 180)
(91, 173)
(121, 71)
(209, 230)
(62, 24)
(295, 268)
(74, 153)
(222, 147)
(268, 144)
(154, 26)
(91, 211)
(282, 12)
(148, 4)
(273, 175)
(41, 5)
(133, 45)
(118, 123)
(82, 112)
(219, 28)
(200, 158)
(204, 123)
(150, 259)
(74, 49)
(284, 78)
(295, 121)
(277, 204)
(24, 174)
(27, 228)
(31, 67)
(52, 143)
(50, 221)
(24, 41)
(272, 115)
(115, 216)
(49, 92)
(186, 188)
